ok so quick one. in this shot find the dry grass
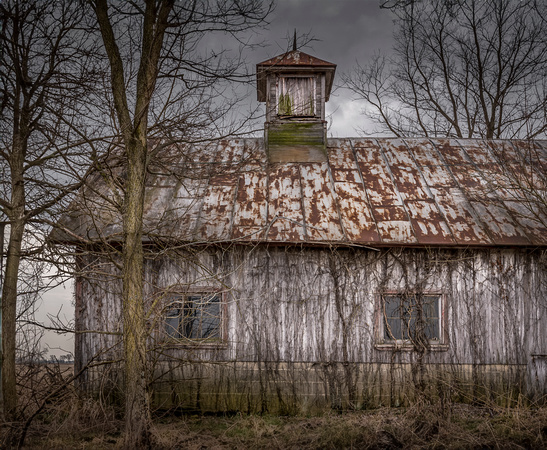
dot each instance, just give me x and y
(88, 426)
(68, 422)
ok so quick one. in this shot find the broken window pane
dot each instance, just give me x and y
(408, 317)
(196, 316)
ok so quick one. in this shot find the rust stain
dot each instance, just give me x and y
(227, 179)
(389, 213)
(321, 218)
(432, 166)
(250, 207)
(423, 151)
(531, 218)
(406, 175)
(285, 218)
(356, 215)
(368, 152)
(395, 232)
(379, 185)
(499, 224)
(465, 225)
(216, 213)
(428, 224)
(340, 154)
(478, 153)
(345, 175)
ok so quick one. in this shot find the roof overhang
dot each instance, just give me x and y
(294, 62)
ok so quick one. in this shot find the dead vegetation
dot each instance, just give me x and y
(85, 424)
(69, 420)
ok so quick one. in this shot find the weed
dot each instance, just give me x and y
(87, 424)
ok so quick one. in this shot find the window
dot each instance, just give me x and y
(296, 96)
(194, 316)
(410, 320)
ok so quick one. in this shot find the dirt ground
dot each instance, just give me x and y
(421, 426)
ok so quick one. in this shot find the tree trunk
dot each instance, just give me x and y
(137, 411)
(9, 307)
(134, 134)
(133, 126)
(9, 289)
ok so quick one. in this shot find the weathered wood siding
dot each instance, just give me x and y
(301, 324)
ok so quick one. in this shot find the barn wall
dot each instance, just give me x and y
(301, 324)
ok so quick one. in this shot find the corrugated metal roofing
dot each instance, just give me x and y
(373, 192)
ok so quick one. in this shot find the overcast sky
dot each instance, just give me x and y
(346, 31)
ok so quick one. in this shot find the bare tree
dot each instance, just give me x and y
(40, 82)
(464, 69)
(161, 85)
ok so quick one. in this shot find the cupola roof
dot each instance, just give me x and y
(294, 61)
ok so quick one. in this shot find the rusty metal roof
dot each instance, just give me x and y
(373, 192)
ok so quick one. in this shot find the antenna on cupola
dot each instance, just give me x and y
(294, 41)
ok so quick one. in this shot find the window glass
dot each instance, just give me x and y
(196, 316)
(407, 317)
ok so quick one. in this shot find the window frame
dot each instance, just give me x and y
(381, 343)
(183, 295)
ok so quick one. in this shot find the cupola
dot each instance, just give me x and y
(295, 87)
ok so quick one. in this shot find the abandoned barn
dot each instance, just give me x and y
(293, 273)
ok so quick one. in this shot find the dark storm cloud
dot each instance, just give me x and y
(345, 30)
